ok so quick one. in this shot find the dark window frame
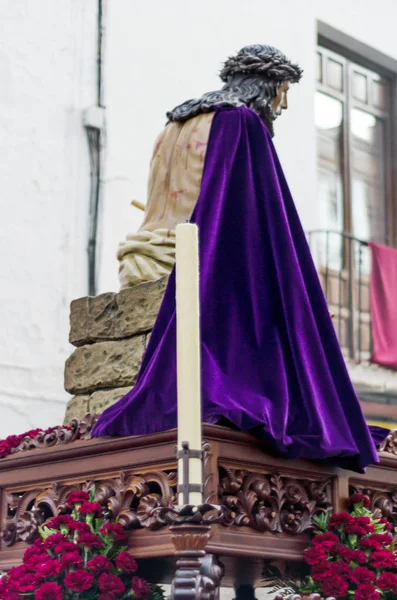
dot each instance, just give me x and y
(348, 57)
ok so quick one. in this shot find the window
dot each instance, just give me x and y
(353, 124)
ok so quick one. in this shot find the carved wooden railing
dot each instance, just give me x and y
(257, 507)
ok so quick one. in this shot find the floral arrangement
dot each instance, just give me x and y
(13, 441)
(79, 555)
(352, 555)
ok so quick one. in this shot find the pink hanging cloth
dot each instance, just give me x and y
(383, 291)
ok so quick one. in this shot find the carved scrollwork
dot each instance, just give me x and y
(389, 444)
(135, 500)
(272, 502)
(78, 430)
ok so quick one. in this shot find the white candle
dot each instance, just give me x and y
(188, 353)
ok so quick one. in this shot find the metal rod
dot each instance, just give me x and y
(340, 291)
(350, 301)
(326, 264)
(347, 236)
(95, 141)
(183, 456)
(99, 53)
(360, 264)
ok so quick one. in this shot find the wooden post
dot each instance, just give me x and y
(198, 575)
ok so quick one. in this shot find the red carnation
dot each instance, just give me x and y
(90, 540)
(65, 547)
(314, 556)
(335, 586)
(33, 551)
(17, 572)
(3, 583)
(326, 540)
(385, 524)
(71, 560)
(56, 522)
(383, 538)
(78, 581)
(355, 529)
(321, 571)
(5, 449)
(54, 539)
(342, 518)
(340, 568)
(25, 584)
(107, 596)
(366, 592)
(125, 562)
(140, 587)
(358, 556)
(362, 575)
(359, 526)
(38, 543)
(77, 498)
(358, 498)
(49, 591)
(79, 526)
(90, 508)
(36, 561)
(115, 530)
(383, 559)
(348, 555)
(48, 569)
(99, 564)
(387, 581)
(370, 543)
(110, 583)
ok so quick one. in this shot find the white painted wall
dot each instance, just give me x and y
(47, 74)
(157, 54)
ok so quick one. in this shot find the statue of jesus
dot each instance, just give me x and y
(271, 361)
(259, 77)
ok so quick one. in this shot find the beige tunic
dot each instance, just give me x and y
(174, 185)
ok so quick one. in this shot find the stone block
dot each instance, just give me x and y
(116, 316)
(104, 365)
(137, 308)
(76, 408)
(102, 399)
(101, 316)
(78, 321)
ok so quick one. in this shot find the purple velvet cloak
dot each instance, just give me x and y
(271, 362)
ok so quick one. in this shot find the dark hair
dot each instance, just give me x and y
(252, 77)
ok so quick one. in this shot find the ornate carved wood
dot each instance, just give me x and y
(273, 503)
(261, 506)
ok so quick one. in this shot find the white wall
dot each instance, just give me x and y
(372, 22)
(157, 54)
(47, 73)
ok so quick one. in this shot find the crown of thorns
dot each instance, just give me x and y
(261, 60)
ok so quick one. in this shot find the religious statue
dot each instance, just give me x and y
(271, 361)
(178, 158)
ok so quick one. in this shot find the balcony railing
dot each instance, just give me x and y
(343, 263)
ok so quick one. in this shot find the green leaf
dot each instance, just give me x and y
(352, 539)
(45, 532)
(322, 521)
(309, 587)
